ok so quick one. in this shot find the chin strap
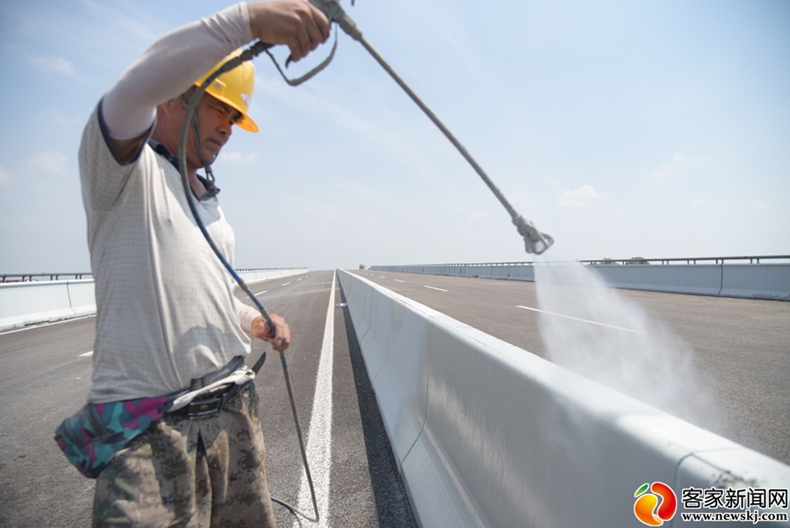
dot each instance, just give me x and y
(208, 182)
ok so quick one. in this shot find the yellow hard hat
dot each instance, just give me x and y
(234, 88)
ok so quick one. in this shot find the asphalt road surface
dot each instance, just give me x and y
(741, 346)
(45, 376)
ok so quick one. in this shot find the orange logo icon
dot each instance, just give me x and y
(645, 505)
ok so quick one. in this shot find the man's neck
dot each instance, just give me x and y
(197, 186)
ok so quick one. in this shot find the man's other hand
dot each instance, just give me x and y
(280, 339)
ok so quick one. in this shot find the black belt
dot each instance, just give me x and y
(208, 405)
(214, 401)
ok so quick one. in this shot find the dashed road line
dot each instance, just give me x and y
(582, 320)
(398, 280)
(87, 354)
(440, 289)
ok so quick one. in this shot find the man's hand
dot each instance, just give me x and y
(280, 339)
(293, 22)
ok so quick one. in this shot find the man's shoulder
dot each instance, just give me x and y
(97, 145)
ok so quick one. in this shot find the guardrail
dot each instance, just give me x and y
(486, 434)
(607, 261)
(29, 302)
(30, 277)
(722, 276)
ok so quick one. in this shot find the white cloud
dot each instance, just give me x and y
(5, 178)
(662, 171)
(56, 64)
(581, 197)
(238, 157)
(698, 204)
(679, 160)
(50, 161)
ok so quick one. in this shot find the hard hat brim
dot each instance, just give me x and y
(234, 88)
(245, 121)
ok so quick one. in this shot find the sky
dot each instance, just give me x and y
(657, 129)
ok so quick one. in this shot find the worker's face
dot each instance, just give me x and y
(215, 120)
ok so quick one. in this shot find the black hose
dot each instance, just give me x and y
(191, 108)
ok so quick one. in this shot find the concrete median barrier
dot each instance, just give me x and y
(489, 435)
(700, 279)
(401, 381)
(376, 340)
(751, 281)
(82, 297)
(253, 276)
(27, 303)
(33, 302)
(758, 281)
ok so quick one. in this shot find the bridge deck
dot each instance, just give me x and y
(45, 375)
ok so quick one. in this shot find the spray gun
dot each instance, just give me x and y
(535, 241)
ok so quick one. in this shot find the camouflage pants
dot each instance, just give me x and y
(206, 472)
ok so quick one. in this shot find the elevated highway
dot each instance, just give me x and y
(46, 371)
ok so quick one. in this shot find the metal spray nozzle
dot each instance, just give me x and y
(535, 241)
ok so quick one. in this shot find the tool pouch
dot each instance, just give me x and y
(91, 437)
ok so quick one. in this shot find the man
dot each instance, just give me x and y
(167, 319)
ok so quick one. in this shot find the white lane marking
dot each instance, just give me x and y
(319, 442)
(582, 320)
(87, 354)
(297, 280)
(383, 277)
(43, 325)
(431, 287)
(261, 293)
(398, 280)
(286, 284)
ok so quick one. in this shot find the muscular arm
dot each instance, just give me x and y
(165, 70)
(173, 63)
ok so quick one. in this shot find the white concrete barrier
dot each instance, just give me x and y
(34, 302)
(26, 303)
(489, 435)
(401, 381)
(751, 281)
(359, 301)
(759, 281)
(82, 297)
(251, 277)
(526, 273)
(700, 279)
